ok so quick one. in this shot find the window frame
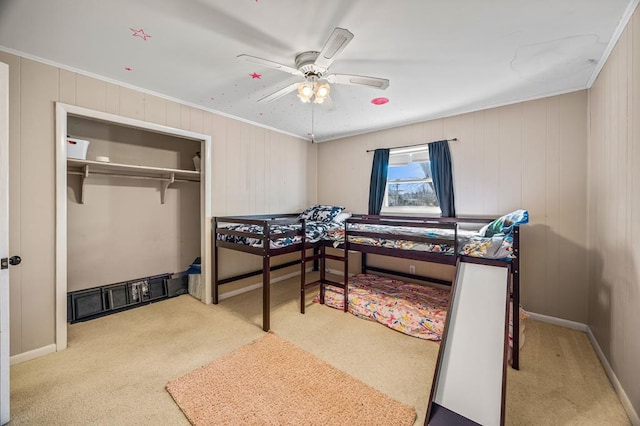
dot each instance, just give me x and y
(429, 211)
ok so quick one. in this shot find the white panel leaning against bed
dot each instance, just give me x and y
(62, 112)
(469, 379)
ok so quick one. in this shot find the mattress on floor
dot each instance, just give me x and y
(413, 309)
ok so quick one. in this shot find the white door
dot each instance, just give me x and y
(4, 243)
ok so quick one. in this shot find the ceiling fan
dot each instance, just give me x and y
(313, 66)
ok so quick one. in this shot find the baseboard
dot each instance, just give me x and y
(558, 321)
(622, 395)
(29, 355)
(337, 272)
(624, 399)
(258, 285)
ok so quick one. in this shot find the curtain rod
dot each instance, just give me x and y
(417, 144)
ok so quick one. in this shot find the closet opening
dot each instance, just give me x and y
(133, 209)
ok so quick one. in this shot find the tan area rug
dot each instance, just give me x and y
(273, 382)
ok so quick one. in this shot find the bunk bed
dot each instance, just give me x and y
(436, 240)
(270, 236)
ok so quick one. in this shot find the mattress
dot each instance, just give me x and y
(413, 309)
(470, 243)
(315, 231)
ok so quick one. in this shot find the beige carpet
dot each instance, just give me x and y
(273, 382)
(116, 368)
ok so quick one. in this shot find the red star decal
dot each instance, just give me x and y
(140, 33)
(255, 75)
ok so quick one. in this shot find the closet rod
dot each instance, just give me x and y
(416, 144)
(132, 176)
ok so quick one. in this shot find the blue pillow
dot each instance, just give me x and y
(321, 213)
(504, 224)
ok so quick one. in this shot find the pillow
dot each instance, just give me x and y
(321, 213)
(341, 217)
(306, 215)
(504, 225)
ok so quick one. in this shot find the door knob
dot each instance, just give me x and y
(15, 260)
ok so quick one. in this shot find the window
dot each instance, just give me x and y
(409, 184)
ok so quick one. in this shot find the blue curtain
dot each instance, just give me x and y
(440, 158)
(378, 180)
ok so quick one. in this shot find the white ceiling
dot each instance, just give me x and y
(442, 57)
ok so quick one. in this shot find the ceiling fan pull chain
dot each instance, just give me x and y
(312, 122)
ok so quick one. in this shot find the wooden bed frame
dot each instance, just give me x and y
(267, 253)
(320, 255)
(442, 258)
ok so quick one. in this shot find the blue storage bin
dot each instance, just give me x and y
(194, 286)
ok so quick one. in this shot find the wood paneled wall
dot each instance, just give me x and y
(255, 170)
(529, 155)
(614, 210)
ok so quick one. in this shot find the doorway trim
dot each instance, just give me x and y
(5, 303)
(63, 111)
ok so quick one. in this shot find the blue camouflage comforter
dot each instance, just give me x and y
(315, 231)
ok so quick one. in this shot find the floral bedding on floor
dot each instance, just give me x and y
(413, 309)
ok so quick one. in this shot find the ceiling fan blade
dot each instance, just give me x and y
(280, 93)
(338, 39)
(358, 80)
(268, 63)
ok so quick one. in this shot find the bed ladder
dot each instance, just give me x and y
(469, 382)
(322, 257)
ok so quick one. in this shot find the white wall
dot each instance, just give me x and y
(614, 210)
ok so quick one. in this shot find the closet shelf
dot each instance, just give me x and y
(166, 176)
(116, 169)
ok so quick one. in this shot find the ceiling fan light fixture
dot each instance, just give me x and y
(313, 91)
(312, 66)
(322, 90)
(305, 92)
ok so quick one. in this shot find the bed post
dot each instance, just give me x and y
(266, 278)
(515, 363)
(215, 260)
(455, 239)
(363, 264)
(316, 251)
(303, 278)
(323, 273)
(346, 266)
